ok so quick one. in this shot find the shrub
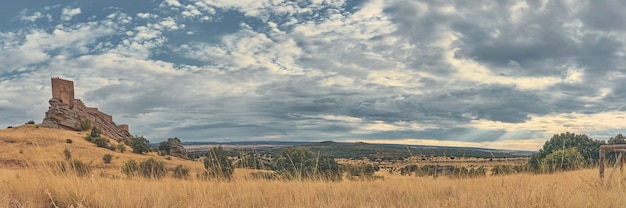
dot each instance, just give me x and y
(218, 165)
(30, 122)
(139, 144)
(67, 154)
(130, 167)
(181, 172)
(101, 142)
(74, 167)
(69, 141)
(362, 171)
(301, 163)
(563, 160)
(152, 168)
(95, 132)
(107, 158)
(463, 172)
(121, 148)
(264, 176)
(85, 125)
(508, 169)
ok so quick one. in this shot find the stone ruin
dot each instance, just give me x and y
(67, 112)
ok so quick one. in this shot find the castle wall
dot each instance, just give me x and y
(78, 104)
(123, 126)
(63, 90)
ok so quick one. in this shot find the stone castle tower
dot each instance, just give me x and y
(63, 90)
(67, 112)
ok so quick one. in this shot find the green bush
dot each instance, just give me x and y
(152, 168)
(362, 171)
(139, 144)
(130, 167)
(218, 165)
(107, 158)
(85, 125)
(121, 148)
(563, 160)
(101, 142)
(300, 163)
(181, 172)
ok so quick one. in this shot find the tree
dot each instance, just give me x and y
(567, 159)
(218, 165)
(139, 144)
(301, 163)
(95, 132)
(164, 147)
(587, 147)
(619, 139)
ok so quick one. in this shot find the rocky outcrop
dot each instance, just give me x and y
(174, 147)
(62, 116)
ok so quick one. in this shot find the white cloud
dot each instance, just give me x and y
(68, 13)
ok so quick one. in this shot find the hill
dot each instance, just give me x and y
(360, 150)
(31, 145)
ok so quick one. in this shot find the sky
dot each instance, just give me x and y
(494, 74)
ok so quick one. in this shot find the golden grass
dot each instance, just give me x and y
(37, 186)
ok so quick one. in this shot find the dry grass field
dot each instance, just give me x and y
(27, 181)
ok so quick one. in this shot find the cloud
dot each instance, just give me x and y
(475, 73)
(68, 13)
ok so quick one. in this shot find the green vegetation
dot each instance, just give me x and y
(152, 168)
(218, 165)
(85, 125)
(73, 167)
(164, 148)
(121, 147)
(95, 137)
(588, 148)
(508, 169)
(302, 163)
(251, 160)
(561, 160)
(107, 158)
(181, 172)
(139, 144)
(130, 168)
(361, 171)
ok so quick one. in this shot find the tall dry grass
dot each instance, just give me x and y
(37, 185)
(40, 188)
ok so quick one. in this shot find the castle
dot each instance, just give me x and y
(67, 112)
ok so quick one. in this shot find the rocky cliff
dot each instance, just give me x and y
(64, 116)
(174, 147)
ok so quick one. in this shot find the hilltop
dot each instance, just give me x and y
(31, 145)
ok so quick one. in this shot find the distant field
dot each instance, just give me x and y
(26, 180)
